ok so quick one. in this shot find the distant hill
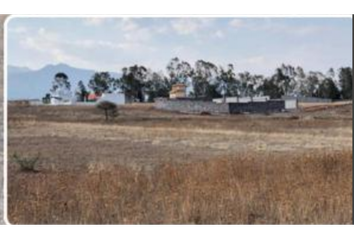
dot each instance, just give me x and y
(14, 70)
(24, 83)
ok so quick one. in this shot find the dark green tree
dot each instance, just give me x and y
(204, 79)
(156, 86)
(132, 82)
(81, 92)
(61, 80)
(227, 83)
(346, 82)
(287, 79)
(328, 89)
(270, 88)
(46, 99)
(249, 84)
(100, 82)
(179, 71)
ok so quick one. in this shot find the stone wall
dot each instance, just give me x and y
(191, 106)
(200, 106)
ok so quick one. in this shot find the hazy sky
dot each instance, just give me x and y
(257, 45)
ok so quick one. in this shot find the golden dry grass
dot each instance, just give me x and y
(321, 106)
(306, 189)
(150, 167)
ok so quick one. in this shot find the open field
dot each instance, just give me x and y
(149, 166)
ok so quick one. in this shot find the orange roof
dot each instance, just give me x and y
(92, 96)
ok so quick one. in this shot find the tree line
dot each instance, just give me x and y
(207, 80)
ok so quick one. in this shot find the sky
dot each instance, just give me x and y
(257, 45)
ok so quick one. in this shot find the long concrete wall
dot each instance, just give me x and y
(191, 106)
(199, 106)
(242, 99)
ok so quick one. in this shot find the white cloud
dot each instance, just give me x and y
(139, 35)
(133, 34)
(255, 60)
(185, 26)
(219, 34)
(236, 23)
(154, 42)
(271, 25)
(305, 30)
(257, 64)
(40, 41)
(18, 30)
(128, 25)
(50, 44)
(186, 53)
(129, 46)
(51, 47)
(96, 44)
(161, 29)
(94, 21)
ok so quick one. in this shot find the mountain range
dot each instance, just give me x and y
(24, 83)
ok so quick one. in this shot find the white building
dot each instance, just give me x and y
(117, 98)
(242, 99)
(291, 104)
(62, 96)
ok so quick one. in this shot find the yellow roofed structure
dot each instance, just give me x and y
(178, 91)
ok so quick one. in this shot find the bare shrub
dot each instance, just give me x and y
(27, 164)
(110, 109)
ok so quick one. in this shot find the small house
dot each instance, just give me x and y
(62, 96)
(117, 98)
(178, 91)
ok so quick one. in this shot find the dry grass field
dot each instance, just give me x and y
(154, 167)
